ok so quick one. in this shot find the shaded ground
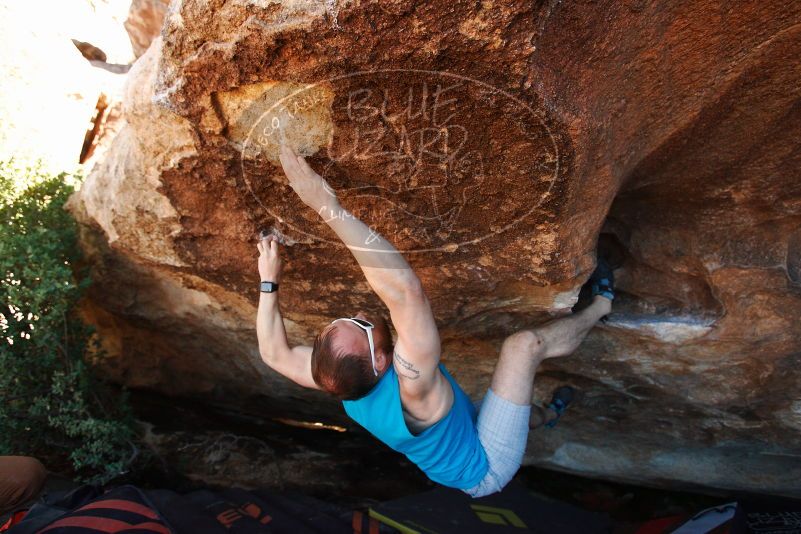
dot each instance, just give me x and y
(200, 444)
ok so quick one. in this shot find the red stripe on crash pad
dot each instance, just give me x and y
(104, 524)
(120, 504)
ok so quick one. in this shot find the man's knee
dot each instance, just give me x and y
(492, 483)
(529, 342)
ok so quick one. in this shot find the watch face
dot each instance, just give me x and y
(268, 287)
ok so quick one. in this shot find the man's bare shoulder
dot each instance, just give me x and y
(422, 407)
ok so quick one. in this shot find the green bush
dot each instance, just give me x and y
(50, 404)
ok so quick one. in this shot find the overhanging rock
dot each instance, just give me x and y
(494, 143)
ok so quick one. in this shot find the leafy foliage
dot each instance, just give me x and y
(49, 400)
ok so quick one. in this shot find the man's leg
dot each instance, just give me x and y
(503, 421)
(522, 352)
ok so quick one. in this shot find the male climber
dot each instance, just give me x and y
(400, 392)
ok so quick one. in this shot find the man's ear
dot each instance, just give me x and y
(382, 361)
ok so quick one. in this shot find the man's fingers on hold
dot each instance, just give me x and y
(287, 152)
(286, 159)
(290, 166)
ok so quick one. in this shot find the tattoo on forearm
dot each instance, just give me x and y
(405, 368)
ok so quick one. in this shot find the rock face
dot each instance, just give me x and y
(496, 143)
(144, 22)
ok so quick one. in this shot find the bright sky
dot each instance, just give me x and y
(48, 91)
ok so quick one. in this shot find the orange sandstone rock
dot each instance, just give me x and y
(494, 142)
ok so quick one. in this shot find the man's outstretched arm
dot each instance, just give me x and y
(293, 363)
(417, 350)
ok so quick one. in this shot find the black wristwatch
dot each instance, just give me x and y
(268, 287)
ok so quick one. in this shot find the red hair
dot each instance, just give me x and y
(347, 375)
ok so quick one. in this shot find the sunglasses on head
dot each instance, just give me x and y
(367, 326)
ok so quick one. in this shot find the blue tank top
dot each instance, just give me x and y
(448, 452)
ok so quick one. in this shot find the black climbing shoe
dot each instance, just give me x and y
(602, 280)
(562, 397)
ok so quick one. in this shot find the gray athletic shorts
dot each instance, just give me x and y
(503, 431)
